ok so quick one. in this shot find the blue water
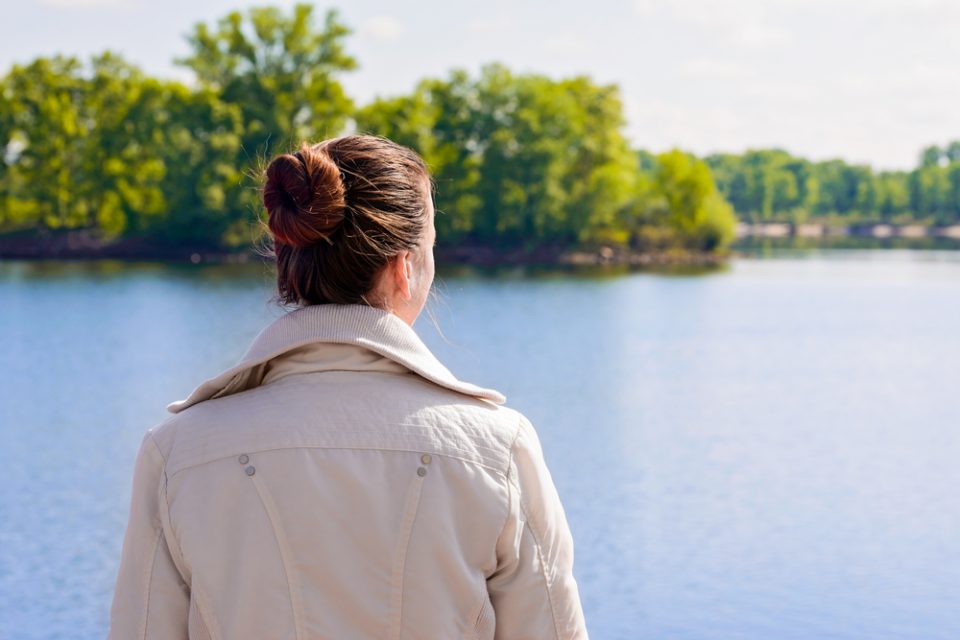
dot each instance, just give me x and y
(768, 451)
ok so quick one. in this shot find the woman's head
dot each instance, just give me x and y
(351, 219)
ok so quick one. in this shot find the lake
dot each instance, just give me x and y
(770, 450)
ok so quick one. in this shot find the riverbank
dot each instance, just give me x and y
(82, 246)
(486, 256)
(824, 230)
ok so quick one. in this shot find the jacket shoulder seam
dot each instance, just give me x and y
(507, 477)
(173, 544)
(495, 469)
(507, 482)
(513, 440)
(156, 448)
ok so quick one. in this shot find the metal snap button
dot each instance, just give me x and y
(243, 459)
(250, 470)
(425, 458)
(421, 471)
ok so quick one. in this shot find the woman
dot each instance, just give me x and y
(339, 481)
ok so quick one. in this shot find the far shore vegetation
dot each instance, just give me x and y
(98, 158)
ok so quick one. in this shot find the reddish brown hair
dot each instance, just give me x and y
(338, 210)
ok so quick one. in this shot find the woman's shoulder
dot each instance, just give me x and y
(410, 414)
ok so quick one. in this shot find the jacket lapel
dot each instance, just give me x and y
(358, 324)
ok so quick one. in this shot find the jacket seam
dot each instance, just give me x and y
(484, 613)
(160, 537)
(301, 446)
(203, 623)
(516, 436)
(537, 545)
(176, 553)
(412, 505)
(543, 567)
(507, 482)
(471, 632)
(153, 563)
(509, 506)
(279, 535)
(205, 615)
(506, 519)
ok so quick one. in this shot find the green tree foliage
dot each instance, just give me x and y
(199, 138)
(437, 120)
(76, 156)
(101, 146)
(517, 158)
(770, 184)
(893, 194)
(683, 198)
(279, 71)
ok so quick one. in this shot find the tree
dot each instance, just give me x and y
(953, 151)
(931, 156)
(280, 71)
(929, 193)
(518, 159)
(123, 169)
(45, 132)
(8, 146)
(437, 120)
(74, 159)
(199, 138)
(687, 197)
(893, 194)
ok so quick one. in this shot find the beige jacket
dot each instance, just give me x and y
(339, 482)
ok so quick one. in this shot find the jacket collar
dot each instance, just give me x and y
(376, 330)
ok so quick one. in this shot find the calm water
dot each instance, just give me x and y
(770, 451)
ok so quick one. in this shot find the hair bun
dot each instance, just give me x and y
(304, 196)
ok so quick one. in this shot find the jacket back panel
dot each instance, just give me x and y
(339, 502)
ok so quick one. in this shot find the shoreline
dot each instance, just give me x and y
(821, 229)
(79, 247)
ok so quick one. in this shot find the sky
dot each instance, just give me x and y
(869, 81)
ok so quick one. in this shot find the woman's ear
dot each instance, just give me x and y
(403, 274)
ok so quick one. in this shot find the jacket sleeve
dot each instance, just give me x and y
(151, 599)
(533, 591)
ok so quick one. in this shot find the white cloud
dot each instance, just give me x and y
(740, 23)
(713, 69)
(564, 44)
(646, 7)
(382, 27)
(715, 7)
(776, 90)
(931, 83)
(659, 124)
(490, 25)
(760, 36)
(873, 6)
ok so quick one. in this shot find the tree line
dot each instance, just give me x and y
(773, 185)
(519, 160)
